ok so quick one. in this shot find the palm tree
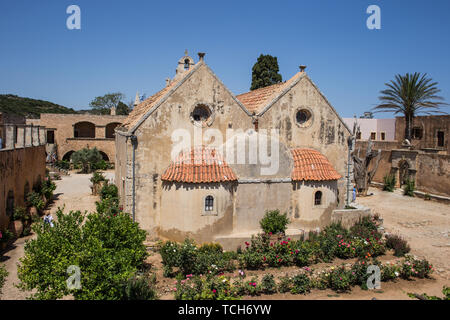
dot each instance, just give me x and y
(410, 95)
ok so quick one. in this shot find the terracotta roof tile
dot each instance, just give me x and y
(257, 99)
(311, 165)
(199, 165)
(142, 108)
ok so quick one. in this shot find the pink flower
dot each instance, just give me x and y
(214, 291)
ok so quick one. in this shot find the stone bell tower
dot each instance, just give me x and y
(184, 64)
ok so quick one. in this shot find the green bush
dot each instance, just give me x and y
(34, 199)
(408, 189)
(273, 222)
(206, 288)
(97, 177)
(399, 245)
(339, 279)
(189, 259)
(47, 188)
(389, 182)
(415, 268)
(86, 159)
(101, 165)
(6, 235)
(108, 206)
(365, 228)
(140, 288)
(108, 250)
(268, 285)
(109, 191)
(301, 284)
(3, 276)
(285, 284)
(63, 164)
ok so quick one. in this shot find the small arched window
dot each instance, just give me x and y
(209, 203)
(186, 64)
(318, 198)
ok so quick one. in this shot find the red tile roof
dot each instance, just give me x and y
(199, 165)
(311, 165)
(257, 99)
(142, 108)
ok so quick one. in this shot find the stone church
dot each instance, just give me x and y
(218, 183)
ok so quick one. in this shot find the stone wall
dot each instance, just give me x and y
(73, 132)
(431, 170)
(20, 169)
(430, 126)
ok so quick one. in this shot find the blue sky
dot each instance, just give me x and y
(134, 45)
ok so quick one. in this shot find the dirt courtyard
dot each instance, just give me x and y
(424, 224)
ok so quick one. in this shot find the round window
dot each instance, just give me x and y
(201, 115)
(303, 117)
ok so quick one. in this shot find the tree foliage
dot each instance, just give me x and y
(30, 108)
(265, 72)
(86, 158)
(410, 95)
(108, 249)
(103, 104)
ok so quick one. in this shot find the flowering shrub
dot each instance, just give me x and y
(205, 288)
(399, 245)
(390, 272)
(188, 258)
(415, 268)
(339, 279)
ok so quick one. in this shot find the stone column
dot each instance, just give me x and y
(42, 135)
(20, 136)
(35, 135)
(28, 136)
(10, 137)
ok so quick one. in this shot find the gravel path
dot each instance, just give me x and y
(73, 193)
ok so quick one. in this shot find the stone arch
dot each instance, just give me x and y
(84, 129)
(68, 155)
(109, 130)
(104, 156)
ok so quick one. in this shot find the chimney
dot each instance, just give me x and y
(113, 111)
(302, 68)
(201, 56)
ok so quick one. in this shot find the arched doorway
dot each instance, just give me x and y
(110, 129)
(68, 155)
(403, 169)
(104, 156)
(84, 129)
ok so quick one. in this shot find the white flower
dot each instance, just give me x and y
(396, 273)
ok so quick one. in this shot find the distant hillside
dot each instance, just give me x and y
(30, 108)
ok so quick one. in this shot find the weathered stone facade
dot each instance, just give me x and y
(144, 147)
(429, 133)
(71, 132)
(22, 166)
